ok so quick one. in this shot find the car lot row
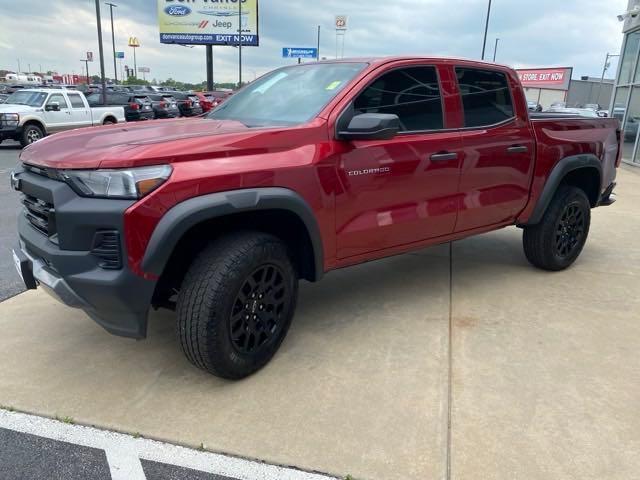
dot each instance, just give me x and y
(30, 114)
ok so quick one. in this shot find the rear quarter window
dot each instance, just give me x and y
(486, 96)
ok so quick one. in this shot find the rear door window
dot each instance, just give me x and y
(486, 97)
(413, 94)
(76, 101)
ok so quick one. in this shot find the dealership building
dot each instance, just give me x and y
(554, 84)
(626, 102)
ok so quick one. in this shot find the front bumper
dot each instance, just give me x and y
(65, 264)
(10, 133)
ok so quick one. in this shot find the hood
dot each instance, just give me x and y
(14, 108)
(136, 144)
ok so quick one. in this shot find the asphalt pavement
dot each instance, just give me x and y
(35, 448)
(10, 282)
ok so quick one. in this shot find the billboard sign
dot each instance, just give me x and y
(204, 22)
(119, 54)
(144, 70)
(89, 56)
(341, 22)
(547, 78)
(293, 52)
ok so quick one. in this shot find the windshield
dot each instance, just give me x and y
(288, 96)
(32, 99)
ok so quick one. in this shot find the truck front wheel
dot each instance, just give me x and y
(236, 304)
(556, 242)
(31, 133)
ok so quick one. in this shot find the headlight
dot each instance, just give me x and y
(130, 183)
(10, 119)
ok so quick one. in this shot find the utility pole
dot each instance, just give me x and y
(113, 42)
(101, 50)
(318, 52)
(86, 70)
(495, 49)
(604, 70)
(209, 67)
(240, 44)
(486, 29)
(19, 68)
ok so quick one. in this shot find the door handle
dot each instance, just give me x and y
(443, 156)
(517, 149)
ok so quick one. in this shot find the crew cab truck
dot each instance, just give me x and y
(31, 114)
(308, 169)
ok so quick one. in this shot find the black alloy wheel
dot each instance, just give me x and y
(570, 230)
(259, 310)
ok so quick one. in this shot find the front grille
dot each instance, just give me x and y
(106, 247)
(40, 214)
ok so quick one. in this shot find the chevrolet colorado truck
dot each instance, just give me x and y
(31, 114)
(308, 169)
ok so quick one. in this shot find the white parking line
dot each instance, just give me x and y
(124, 452)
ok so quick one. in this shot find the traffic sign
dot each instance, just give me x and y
(298, 52)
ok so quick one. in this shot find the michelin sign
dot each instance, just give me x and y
(208, 22)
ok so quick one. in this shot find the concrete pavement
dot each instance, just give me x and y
(545, 377)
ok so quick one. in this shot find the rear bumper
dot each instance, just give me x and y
(608, 197)
(134, 117)
(116, 299)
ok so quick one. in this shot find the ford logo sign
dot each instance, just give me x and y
(177, 10)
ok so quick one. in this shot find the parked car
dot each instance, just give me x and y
(534, 106)
(558, 105)
(582, 112)
(206, 102)
(3, 97)
(310, 168)
(188, 103)
(164, 106)
(136, 107)
(217, 97)
(28, 115)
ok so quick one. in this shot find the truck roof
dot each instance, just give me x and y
(428, 58)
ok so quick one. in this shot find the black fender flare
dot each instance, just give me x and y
(559, 171)
(187, 214)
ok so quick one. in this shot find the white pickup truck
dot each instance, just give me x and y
(30, 114)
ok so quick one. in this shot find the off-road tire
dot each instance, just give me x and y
(208, 302)
(29, 133)
(541, 242)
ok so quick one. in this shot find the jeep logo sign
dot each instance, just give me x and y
(177, 10)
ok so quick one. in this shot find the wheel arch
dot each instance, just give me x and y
(109, 117)
(583, 171)
(199, 220)
(35, 121)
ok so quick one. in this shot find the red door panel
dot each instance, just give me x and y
(394, 193)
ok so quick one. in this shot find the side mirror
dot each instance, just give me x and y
(52, 107)
(371, 126)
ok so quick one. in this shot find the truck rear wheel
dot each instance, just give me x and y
(236, 304)
(31, 133)
(556, 242)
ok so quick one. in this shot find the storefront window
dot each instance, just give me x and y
(631, 123)
(629, 58)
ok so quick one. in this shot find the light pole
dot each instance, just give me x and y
(486, 29)
(495, 50)
(86, 62)
(101, 50)
(239, 44)
(604, 70)
(113, 42)
(318, 53)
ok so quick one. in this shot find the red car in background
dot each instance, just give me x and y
(210, 100)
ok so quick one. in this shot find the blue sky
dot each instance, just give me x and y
(577, 33)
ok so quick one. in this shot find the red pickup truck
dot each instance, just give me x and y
(308, 169)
